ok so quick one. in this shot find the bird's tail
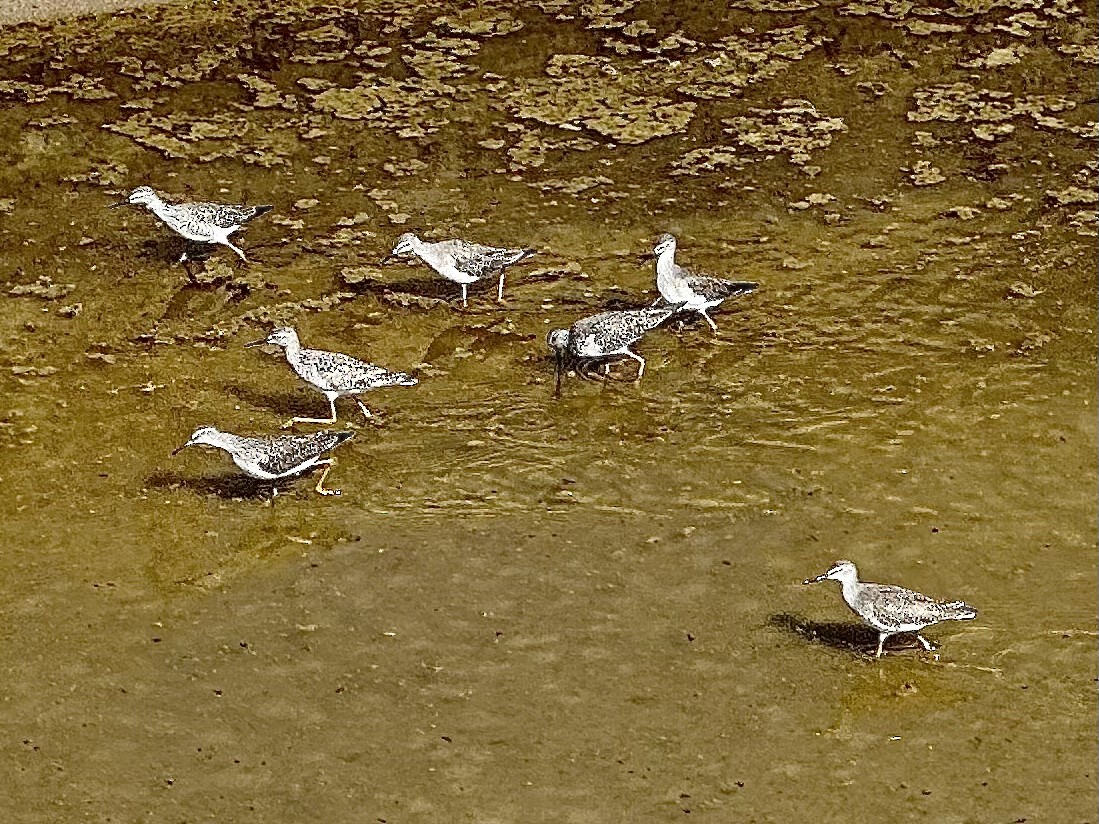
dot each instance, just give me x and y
(401, 379)
(260, 210)
(960, 611)
(741, 287)
(660, 312)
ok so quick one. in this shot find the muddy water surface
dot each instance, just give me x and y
(583, 608)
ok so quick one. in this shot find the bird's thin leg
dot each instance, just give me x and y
(235, 249)
(500, 291)
(881, 640)
(331, 404)
(320, 487)
(362, 406)
(709, 320)
(465, 301)
(640, 363)
(926, 644)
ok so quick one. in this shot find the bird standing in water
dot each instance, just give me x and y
(603, 337)
(200, 222)
(694, 291)
(271, 459)
(332, 373)
(460, 261)
(890, 609)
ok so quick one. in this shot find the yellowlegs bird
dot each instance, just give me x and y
(890, 609)
(202, 222)
(695, 291)
(603, 337)
(460, 261)
(274, 458)
(332, 373)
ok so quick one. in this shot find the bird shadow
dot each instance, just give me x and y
(169, 250)
(428, 287)
(291, 404)
(847, 636)
(229, 485)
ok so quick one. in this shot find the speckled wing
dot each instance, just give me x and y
(477, 261)
(285, 453)
(896, 608)
(225, 217)
(613, 331)
(717, 288)
(335, 371)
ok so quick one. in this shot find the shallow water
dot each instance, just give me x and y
(535, 608)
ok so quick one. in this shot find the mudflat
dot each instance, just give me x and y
(525, 606)
(21, 11)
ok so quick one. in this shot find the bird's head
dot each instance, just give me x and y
(283, 337)
(839, 571)
(664, 243)
(203, 435)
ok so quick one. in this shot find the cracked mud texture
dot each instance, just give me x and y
(522, 607)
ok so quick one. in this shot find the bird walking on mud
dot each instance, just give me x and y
(199, 222)
(603, 337)
(332, 373)
(694, 291)
(274, 458)
(890, 609)
(460, 261)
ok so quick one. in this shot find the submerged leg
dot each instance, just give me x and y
(927, 645)
(500, 290)
(320, 487)
(881, 640)
(362, 406)
(332, 406)
(640, 361)
(709, 320)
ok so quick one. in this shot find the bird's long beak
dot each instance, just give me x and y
(177, 450)
(818, 579)
(645, 257)
(559, 366)
(120, 203)
(259, 342)
(387, 259)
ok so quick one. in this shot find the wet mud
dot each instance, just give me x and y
(529, 607)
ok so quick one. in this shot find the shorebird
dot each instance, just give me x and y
(695, 291)
(890, 609)
(270, 459)
(605, 336)
(460, 261)
(332, 373)
(202, 222)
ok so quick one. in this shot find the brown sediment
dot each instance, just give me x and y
(525, 607)
(22, 11)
